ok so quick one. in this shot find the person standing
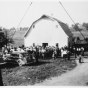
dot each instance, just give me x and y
(37, 54)
(68, 54)
(80, 56)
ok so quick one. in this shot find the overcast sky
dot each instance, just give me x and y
(11, 12)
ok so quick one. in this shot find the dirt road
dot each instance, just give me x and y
(76, 77)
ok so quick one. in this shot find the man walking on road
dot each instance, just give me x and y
(81, 56)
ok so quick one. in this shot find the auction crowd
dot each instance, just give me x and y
(44, 52)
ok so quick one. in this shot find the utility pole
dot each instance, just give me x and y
(6, 39)
(72, 20)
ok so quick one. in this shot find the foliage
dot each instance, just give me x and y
(85, 25)
(76, 27)
(8, 38)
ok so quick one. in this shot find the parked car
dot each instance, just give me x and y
(21, 58)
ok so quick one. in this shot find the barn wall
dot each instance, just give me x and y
(46, 31)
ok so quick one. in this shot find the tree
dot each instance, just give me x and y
(85, 25)
(77, 27)
(86, 39)
(7, 37)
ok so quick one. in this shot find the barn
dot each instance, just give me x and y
(47, 31)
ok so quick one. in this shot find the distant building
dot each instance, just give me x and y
(18, 38)
(24, 28)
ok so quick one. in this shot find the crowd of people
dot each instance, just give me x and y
(41, 52)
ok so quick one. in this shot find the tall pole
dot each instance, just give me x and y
(1, 82)
(72, 20)
(6, 39)
(75, 51)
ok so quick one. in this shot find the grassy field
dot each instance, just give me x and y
(31, 74)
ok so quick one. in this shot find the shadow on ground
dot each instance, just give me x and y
(37, 64)
(8, 65)
(13, 65)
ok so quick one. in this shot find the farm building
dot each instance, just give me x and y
(19, 37)
(80, 37)
(47, 31)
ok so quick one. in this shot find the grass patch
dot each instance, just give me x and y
(31, 74)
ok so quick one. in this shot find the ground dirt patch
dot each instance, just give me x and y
(31, 74)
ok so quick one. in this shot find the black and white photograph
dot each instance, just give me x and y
(43, 43)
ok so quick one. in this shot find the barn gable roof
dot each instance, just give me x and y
(63, 25)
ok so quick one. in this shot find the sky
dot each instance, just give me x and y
(12, 11)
